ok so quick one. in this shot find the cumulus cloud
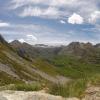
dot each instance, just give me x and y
(75, 19)
(94, 16)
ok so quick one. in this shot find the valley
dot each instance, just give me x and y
(65, 71)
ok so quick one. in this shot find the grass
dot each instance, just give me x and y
(80, 72)
(22, 87)
(17, 68)
(26, 87)
(74, 68)
(7, 79)
(75, 88)
(95, 80)
(46, 67)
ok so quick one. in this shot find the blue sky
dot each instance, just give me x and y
(50, 21)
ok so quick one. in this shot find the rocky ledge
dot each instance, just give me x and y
(20, 95)
(92, 93)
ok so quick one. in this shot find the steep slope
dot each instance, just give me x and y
(13, 68)
(78, 49)
(84, 51)
(28, 51)
(78, 64)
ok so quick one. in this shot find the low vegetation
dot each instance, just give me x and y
(81, 73)
(22, 87)
(82, 67)
(75, 88)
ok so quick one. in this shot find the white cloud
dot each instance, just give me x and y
(21, 40)
(94, 16)
(62, 2)
(51, 11)
(62, 22)
(20, 3)
(31, 37)
(54, 8)
(75, 19)
(4, 24)
(40, 12)
(36, 7)
(30, 11)
(10, 40)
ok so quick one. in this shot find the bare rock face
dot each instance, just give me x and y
(92, 93)
(20, 95)
(3, 98)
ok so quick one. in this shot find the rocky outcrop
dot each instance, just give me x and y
(7, 69)
(92, 93)
(15, 95)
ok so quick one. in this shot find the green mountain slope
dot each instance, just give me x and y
(14, 68)
(79, 62)
(65, 70)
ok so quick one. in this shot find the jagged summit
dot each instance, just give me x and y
(79, 44)
(15, 42)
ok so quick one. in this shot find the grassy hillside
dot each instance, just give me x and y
(83, 74)
(18, 69)
(65, 70)
(13, 67)
(74, 67)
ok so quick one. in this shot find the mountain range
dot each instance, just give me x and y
(25, 63)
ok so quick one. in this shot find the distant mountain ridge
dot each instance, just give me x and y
(74, 49)
(64, 70)
(19, 66)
